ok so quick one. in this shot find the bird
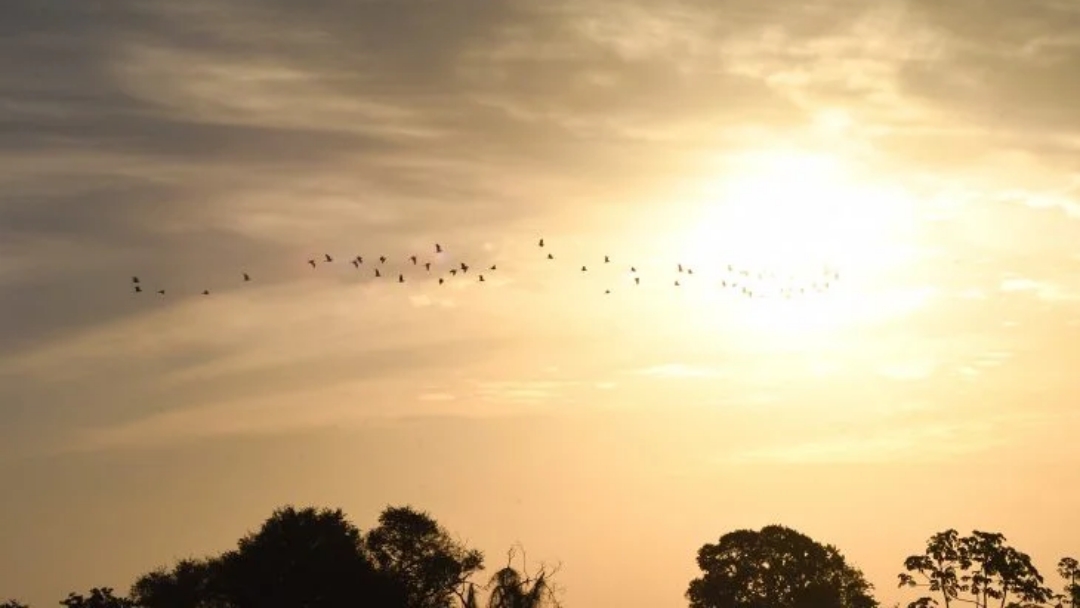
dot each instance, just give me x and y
(359, 259)
(438, 248)
(134, 279)
(637, 280)
(328, 258)
(206, 292)
(676, 283)
(377, 273)
(355, 264)
(138, 289)
(247, 277)
(427, 266)
(583, 269)
(413, 258)
(541, 242)
(382, 259)
(440, 280)
(464, 267)
(400, 278)
(493, 267)
(680, 268)
(607, 260)
(481, 278)
(453, 271)
(551, 257)
(633, 269)
(161, 292)
(607, 291)
(312, 262)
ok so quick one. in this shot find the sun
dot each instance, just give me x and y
(794, 221)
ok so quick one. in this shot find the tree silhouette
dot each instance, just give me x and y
(1069, 569)
(411, 547)
(980, 565)
(513, 589)
(100, 597)
(310, 558)
(190, 584)
(14, 604)
(776, 568)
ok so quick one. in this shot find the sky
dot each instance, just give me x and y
(926, 150)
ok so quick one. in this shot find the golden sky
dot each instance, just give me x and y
(927, 149)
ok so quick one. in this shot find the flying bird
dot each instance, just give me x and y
(134, 279)
(377, 273)
(413, 258)
(440, 280)
(583, 269)
(247, 277)
(161, 292)
(541, 242)
(481, 278)
(438, 248)
(464, 267)
(382, 259)
(637, 280)
(355, 264)
(138, 289)
(328, 258)
(312, 262)
(607, 260)
(400, 278)
(206, 292)
(427, 266)
(493, 267)
(359, 259)
(453, 271)
(551, 257)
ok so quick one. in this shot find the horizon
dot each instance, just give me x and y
(925, 153)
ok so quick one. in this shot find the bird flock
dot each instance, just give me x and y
(742, 281)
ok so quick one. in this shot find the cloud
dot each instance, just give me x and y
(677, 370)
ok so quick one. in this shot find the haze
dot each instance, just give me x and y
(927, 149)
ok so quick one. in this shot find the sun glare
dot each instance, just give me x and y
(790, 219)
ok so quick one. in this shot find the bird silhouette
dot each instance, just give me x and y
(161, 292)
(632, 269)
(377, 273)
(680, 268)
(637, 280)
(328, 258)
(206, 292)
(355, 264)
(413, 258)
(312, 262)
(134, 279)
(583, 269)
(438, 248)
(551, 257)
(453, 271)
(247, 277)
(138, 289)
(541, 242)
(382, 259)
(607, 260)
(427, 266)
(481, 278)
(676, 283)
(440, 280)
(400, 278)
(492, 267)
(359, 259)
(607, 291)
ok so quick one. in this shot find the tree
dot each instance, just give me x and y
(410, 546)
(310, 558)
(14, 604)
(1069, 569)
(776, 567)
(190, 584)
(513, 589)
(980, 565)
(100, 597)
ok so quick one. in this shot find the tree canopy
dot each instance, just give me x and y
(776, 567)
